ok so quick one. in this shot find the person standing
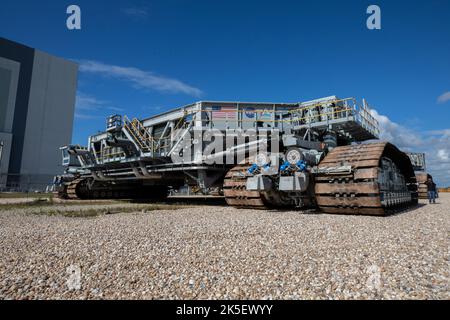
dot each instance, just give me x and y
(431, 187)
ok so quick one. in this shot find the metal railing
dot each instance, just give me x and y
(140, 134)
(340, 108)
(103, 155)
(321, 111)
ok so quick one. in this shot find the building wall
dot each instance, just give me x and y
(5, 145)
(24, 56)
(49, 118)
(37, 101)
(5, 83)
(9, 77)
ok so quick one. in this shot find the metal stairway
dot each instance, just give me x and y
(141, 137)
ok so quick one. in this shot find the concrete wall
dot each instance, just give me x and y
(50, 117)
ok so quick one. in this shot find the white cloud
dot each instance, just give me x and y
(399, 135)
(86, 104)
(83, 116)
(442, 154)
(139, 78)
(444, 133)
(444, 97)
(435, 144)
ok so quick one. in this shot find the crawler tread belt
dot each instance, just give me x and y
(423, 189)
(60, 194)
(71, 189)
(358, 191)
(235, 192)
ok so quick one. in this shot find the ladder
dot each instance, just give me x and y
(136, 132)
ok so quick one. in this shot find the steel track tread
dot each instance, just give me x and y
(422, 188)
(235, 192)
(71, 193)
(357, 193)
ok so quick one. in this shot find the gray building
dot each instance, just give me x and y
(37, 102)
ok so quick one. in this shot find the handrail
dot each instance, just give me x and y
(137, 125)
(134, 136)
(137, 135)
(103, 156)
(322, 114)
(363, 112)
(318, 104)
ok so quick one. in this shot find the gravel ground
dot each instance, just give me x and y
(213, 252)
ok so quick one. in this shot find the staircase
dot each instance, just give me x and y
(136, 132)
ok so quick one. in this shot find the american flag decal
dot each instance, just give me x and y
(222, 112)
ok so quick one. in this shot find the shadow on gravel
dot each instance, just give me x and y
(203, 201)
(312, 211)
(403, 211)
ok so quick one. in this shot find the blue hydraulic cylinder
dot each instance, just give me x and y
(286, 165)
(253, 168)
(301, 165)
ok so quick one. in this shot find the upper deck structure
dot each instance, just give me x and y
(160, 135)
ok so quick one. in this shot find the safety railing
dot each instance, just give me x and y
(334, 109)
(104, 156)
(140, 134)
(321, 112)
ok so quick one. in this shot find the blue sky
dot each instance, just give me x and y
(143, 57)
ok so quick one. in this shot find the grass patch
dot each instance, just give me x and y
(94, 212)
(49, 207)
(16, 195)
(71, 213)
(48, 202)
(39, 202)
